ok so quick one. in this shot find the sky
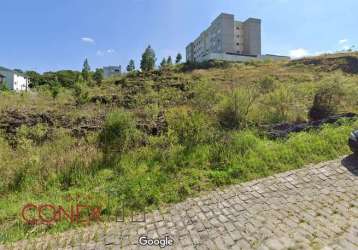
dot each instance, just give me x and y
(50, 35)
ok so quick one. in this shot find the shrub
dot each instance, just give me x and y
(278, 104)
(119, 134)
(236, 108)
(189, 66)
(55, 90)
(80, 93)
(266, 85)
(4, 87)
(37, 134)
(205, 96)
(191, 127)
(326, 101)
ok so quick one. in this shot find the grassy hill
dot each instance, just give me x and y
(147, 139)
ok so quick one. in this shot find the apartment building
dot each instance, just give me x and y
(226, 36)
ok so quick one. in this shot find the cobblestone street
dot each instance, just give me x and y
(315, 207)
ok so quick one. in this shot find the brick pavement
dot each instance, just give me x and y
(315, 207)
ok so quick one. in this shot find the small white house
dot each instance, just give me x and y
(110, 71)
(14, 80)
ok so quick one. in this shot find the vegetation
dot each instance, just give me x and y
(326, 101)
(169, 61)
(4, 87)
(86, 70)
(178, 58)
(98, 76)
(148, 60)
(163, 64)
(131, 66)
(159, 136)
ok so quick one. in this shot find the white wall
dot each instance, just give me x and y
(20, 83)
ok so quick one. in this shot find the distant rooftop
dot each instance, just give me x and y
(11, 70)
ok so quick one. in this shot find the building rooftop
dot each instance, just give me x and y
(5, 69)
(13, 71)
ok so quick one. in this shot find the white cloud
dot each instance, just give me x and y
(105, 52)
(298, 53)
(100, 53)
(343, 41)
(87, 40)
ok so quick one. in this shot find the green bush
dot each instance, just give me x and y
(191, 127)
(278, 105)
(326, 102)
(119, 134)
(36, 135)
(4, 87)
(235, 109)
(55, 90)
(80, 93)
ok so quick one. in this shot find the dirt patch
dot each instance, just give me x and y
(12, 119)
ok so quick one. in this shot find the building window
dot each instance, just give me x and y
(237, 44)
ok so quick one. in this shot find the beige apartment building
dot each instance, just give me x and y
(230, 40)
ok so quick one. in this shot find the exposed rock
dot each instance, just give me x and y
(99, 99)
(12, 119)
(113, 99)
(156, 126)
(284, 129)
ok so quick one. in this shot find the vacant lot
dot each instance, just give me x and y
(146, 139)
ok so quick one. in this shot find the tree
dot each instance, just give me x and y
(98, 76)
(131, 66)
(163, 64)
(169, 61)
(66, 78)
(148, 59)
(35, 78)
(178, 58)
(86, 70)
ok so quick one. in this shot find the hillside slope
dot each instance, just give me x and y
(147, 139)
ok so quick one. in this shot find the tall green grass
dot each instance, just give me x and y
(166, 169)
